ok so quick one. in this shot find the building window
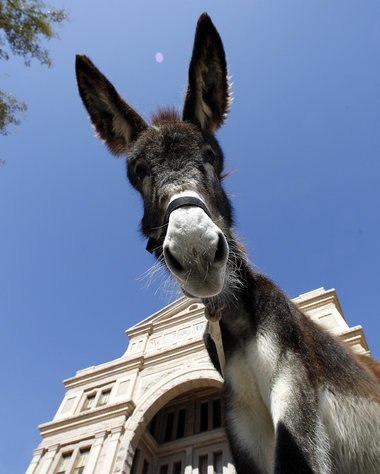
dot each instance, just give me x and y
(89, 402)
(181, 423)
(64, 463)
(182, 418)
(218, 462)
(204, 417)
(186, 434)
(203, 464)
(169, 426)
(216, 413)
(145, 469)
(104, 397)
(81, 460)
(209, 414)
(96, 398)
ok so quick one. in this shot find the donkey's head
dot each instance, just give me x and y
(176, 164)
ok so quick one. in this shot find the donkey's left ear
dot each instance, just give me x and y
(207, 98)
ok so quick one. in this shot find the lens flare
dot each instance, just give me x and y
(159, 57)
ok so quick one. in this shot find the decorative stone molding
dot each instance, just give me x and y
(95, 416)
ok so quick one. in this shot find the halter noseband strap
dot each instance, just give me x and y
(176, 204)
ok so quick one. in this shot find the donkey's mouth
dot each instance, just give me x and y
(197, 274)
(200, 288)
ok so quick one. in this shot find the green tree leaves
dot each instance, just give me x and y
(24, 25)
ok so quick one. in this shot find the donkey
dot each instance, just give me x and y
(296, 399)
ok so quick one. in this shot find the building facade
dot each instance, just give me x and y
(157, 409)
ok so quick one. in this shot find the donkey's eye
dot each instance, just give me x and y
(209, 156)
(141, 170)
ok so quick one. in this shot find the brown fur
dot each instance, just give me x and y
(165, 115)
(297, 400)
(370, 364)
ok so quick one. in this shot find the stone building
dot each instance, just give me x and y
(157, 409)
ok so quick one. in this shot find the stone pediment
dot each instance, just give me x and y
(175, 313)
(182, 322)
(177, 325)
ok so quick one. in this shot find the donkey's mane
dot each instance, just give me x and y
(164, 115)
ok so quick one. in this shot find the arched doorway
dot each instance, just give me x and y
(185, 436)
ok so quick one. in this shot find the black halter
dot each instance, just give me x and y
(175, 204)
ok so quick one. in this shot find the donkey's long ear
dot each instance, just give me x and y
(207, 98)
(114, 120)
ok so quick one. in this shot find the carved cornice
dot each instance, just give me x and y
(317, 299)
(171, 354)
(109, 369)
(354, 335)
(138, 361)
(86, 418)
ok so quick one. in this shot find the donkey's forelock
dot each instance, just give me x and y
(165, 115)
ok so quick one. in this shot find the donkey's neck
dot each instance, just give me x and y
(238, 295)
(248, 301)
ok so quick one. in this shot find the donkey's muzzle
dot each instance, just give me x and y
(195, 249)
(220, 255)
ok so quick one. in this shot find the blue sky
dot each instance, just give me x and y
(302, 140)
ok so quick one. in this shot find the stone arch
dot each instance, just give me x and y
(157, 397)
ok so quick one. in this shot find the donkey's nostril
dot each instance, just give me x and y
(222, 249)
(171, 261)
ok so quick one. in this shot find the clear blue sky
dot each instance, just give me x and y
(303, 139)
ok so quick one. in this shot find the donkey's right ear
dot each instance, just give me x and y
(114, 120)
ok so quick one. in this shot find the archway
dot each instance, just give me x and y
(176, 428)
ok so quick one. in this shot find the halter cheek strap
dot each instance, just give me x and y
(176, 204)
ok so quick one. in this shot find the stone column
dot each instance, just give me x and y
(96, 447)
(37, 455)
(189, 461)
(49, 459)
(113, 442)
